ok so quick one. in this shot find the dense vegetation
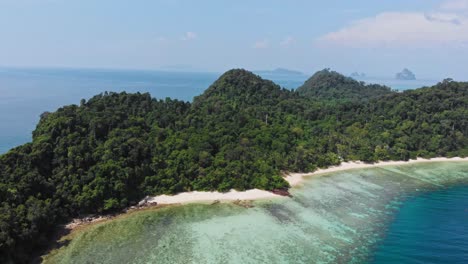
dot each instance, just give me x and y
(331, 85)
(114, 149)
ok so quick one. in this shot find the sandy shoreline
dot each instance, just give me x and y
(294, 179)
(331, 204)
(193, 197)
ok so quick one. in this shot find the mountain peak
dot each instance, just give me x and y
(237, 75)
(238, 82)
(327, 77)
(331, 85)
(241, 85)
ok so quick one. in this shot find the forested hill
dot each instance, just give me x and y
(331, 85)
(243, 84)
(110, 151)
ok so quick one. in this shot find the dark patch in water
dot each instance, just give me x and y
(302, 202)
(280, 212)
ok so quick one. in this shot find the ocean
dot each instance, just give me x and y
(429, 228)
(414, 213)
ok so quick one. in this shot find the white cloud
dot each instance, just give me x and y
(288, 41)
(189, 36)
(261, 44)
(455, 5)
(402, 29)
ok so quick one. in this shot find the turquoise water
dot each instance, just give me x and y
(429, 228)
(344, 217)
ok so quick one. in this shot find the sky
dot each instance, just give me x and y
(379, 38)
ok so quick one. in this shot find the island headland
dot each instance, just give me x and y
(109, 152)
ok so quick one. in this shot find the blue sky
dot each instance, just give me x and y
(377, 37)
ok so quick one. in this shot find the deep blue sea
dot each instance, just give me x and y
(429, 228)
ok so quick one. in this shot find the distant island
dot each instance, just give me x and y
(280, 71)
(405, 75)
(107, 153)
(358, 75)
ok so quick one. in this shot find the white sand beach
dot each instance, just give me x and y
(192, 197)
(294, 179)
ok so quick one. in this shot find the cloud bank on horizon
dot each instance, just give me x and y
(447, 27)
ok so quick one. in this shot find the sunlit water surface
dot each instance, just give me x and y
(345, 217)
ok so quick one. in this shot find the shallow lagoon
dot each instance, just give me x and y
(340, 217)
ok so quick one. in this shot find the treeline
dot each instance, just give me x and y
(109, 152)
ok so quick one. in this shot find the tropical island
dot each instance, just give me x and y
(242, 133)
(405, 74)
